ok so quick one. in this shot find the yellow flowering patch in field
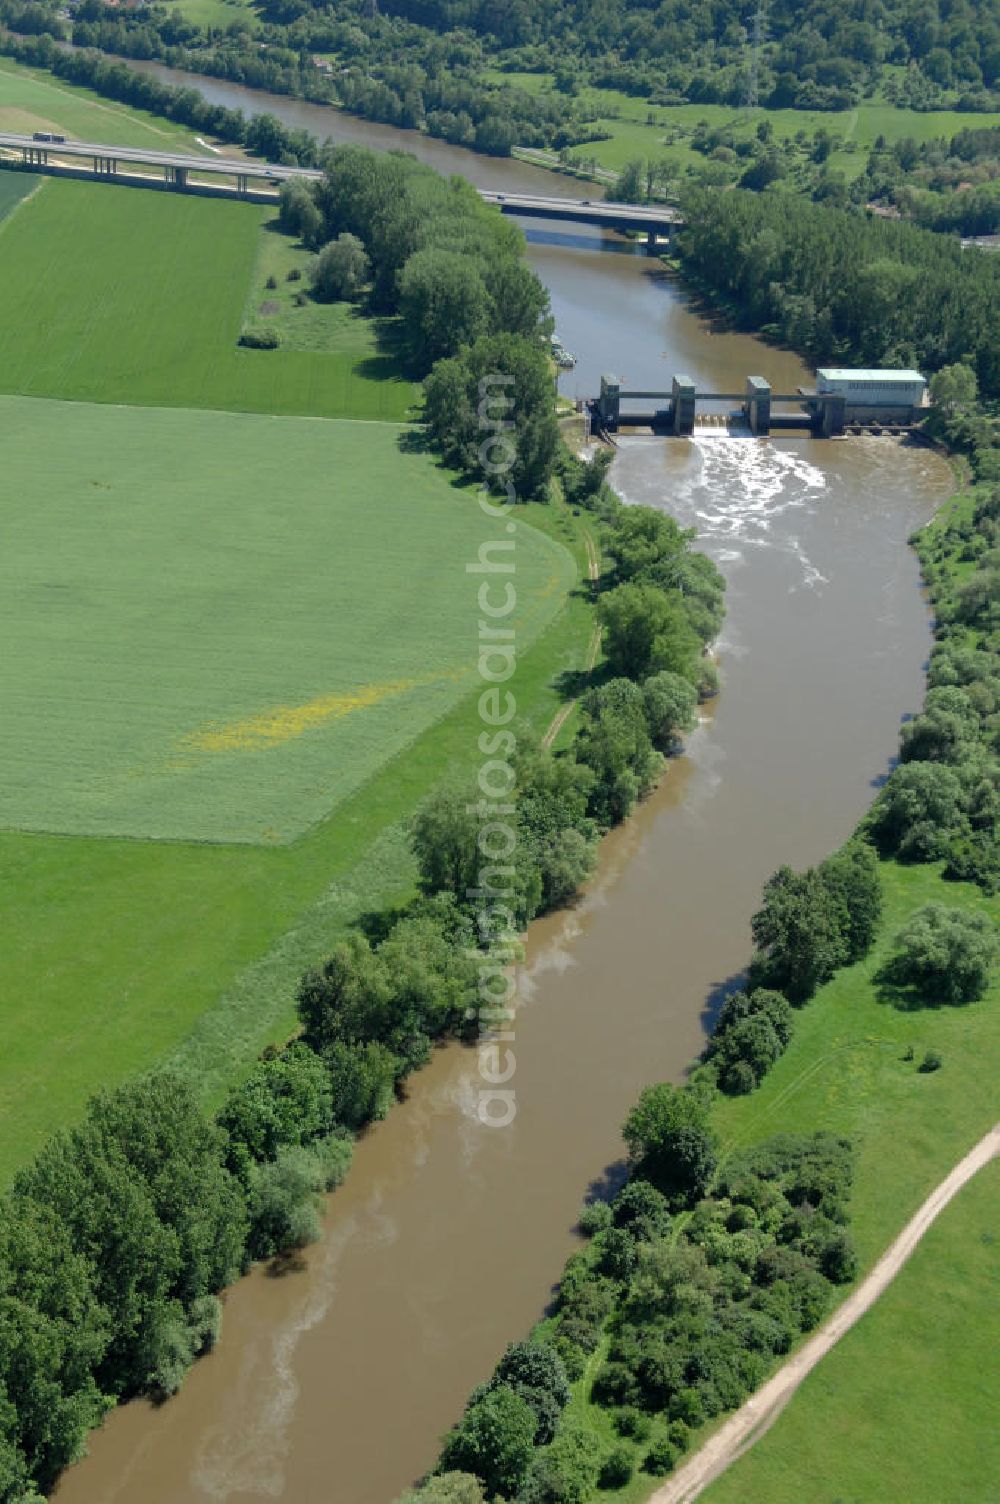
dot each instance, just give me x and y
(286, 722)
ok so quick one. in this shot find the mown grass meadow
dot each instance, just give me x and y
(117, 954)
(31, 100)
(217, 625)
(130, 295)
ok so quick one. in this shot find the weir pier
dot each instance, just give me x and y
(842, 401)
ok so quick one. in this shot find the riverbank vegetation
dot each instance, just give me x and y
(870, 1017)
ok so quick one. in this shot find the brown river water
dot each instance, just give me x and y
(335, 1379)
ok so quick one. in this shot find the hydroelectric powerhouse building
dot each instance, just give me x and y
(874, 396)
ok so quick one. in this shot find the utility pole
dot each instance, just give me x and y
(756, 48)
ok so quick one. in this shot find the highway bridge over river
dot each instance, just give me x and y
(260, 181)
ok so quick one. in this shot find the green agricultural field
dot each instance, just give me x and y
(216, 625)
(116, 954)
(218, 13)
(116, 294)
(15, 187)
(904, 1408)
(31, 100)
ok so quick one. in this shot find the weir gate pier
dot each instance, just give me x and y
(844, 401)
(822, 414)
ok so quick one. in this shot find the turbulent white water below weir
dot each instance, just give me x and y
(732, 489)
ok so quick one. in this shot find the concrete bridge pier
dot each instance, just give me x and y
(685, 403)
(758, 405)
(175, 177)
(609, 404)
(829, 416)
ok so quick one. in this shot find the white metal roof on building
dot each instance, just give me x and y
(846, 373)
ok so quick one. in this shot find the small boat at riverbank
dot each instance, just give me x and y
(563, 358)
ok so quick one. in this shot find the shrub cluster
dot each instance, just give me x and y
(694, 1315)
(943, 801)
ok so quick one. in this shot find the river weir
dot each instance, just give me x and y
(336, 1376)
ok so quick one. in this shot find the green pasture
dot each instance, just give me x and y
(14, 188)
(845, 1071)
(220, 14)
(130, 295)
(637, 128)
(32, 100)
(116, 954)
(306, 324)
(217, 625)
(904, 1408)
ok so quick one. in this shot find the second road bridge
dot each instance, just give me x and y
(47, 152)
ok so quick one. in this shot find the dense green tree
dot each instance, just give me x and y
(953, 388)
(671, 709)
(646, 631)
(348, 1000)
(799, 934)
(286, 1100)
(614, 742)
(144, 1196)
(53, 1336)
(512, 374)
(566, 1472)
(751, 1033)
(298, 212)
(494, 1440)
(285, 1202)
(944, 731)
(920, 807)
(671, 1142)
(341, 270)
(943, 955)
(443, 303)
(535, 1372)
(852, 879)
(363, 1081)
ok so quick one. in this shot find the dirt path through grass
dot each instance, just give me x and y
(762, 1409)
(593, 575)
